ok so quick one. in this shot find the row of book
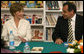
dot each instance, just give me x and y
(57, 5)
(4, 18)
(49, 32)
(51, 20)
(27, 4)
(33, 19)
(52, 5)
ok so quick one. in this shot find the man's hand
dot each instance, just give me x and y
(22, 39)
(58, 41)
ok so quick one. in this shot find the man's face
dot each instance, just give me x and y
(66, 14)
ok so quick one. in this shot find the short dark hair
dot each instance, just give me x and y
(15, 7)
(71, 6)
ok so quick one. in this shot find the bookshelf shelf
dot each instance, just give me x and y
(38, 9)
(25, 9)
(4, 9)
(35, 9)
(37, 40)
(53, 11)
(50, 26)
(79, 10)
(36, 24)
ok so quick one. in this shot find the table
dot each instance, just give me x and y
(48, 46)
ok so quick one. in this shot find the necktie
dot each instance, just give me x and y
(70, 32)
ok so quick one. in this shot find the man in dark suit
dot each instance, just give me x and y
(60, 33)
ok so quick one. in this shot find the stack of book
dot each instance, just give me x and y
(4, 18)
(26, 4)
(52, 5)
(34, 19)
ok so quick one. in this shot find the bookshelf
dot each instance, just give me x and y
(45, 28)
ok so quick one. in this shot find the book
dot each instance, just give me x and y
(60, 5)
(34, 19)
(4, 4)
(28, 19)
(47, 23)
(48, 20)
(52, 5)
(81, 5)
(12, 2)
(41, 33)
(51, 20)
(37, 34)
(54, 20)
(26, 4)
(49, 34)
(38, 19)
(32, 4)
(4, 18)
(46, 34)
(39, 4)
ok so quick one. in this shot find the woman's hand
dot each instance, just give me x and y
(22, 39)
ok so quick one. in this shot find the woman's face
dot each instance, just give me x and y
(19, 14)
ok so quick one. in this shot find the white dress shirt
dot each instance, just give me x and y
(23, 30)
(73, 25)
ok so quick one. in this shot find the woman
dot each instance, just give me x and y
(17, 24)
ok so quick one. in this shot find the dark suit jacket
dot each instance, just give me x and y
(61, 28)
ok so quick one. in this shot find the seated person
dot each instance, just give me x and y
(17, 24)
(69, 27)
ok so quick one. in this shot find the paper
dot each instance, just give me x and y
(36, 49)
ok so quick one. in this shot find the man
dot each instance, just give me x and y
(62, 31)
